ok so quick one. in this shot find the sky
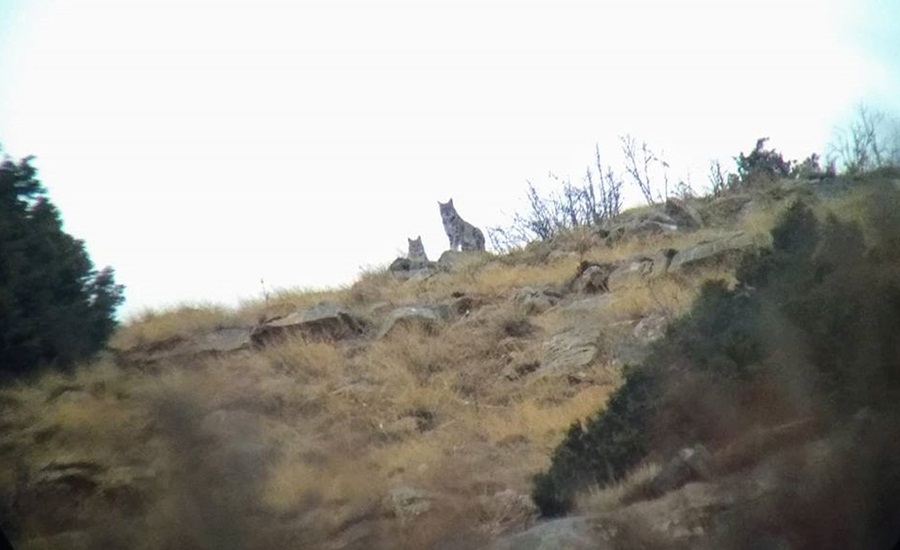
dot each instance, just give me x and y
(201, 146)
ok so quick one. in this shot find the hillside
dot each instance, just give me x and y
(413, 408)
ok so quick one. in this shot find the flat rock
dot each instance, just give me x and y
(683, 213)
(569, 350)
(326, 320)
(426, 317)
(712, 250)
(219, 341)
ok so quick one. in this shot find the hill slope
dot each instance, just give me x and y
(411, 409)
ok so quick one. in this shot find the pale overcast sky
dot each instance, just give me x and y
(198, 146)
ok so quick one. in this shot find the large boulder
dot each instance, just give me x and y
(324, 321)
(591, 278)
(569, 350)
(726, 210)
(683, 213)
(639, 224)
(714, 250)
(425, 317)
(534, 301)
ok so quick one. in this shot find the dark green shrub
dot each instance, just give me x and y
(810, 328)
(602, 449)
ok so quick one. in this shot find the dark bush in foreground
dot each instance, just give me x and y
(809, 330)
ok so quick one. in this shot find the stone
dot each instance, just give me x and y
(591, 278)
(683, 213)
(569, 350)
(572, 533)
(424, 317)
(219, 341)
(709, 251)
(326, 320)
(405, 265)
(726, 210)
(650, 328)
(630, 274)
(534, 301)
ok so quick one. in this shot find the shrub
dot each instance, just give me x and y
(810, 328)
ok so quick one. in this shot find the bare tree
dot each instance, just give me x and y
(639, 161)
(597, 199)
(717, 178)
(871, 141)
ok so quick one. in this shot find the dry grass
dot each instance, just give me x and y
(186, 319)
(599, 500)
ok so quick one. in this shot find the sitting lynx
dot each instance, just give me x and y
(463, 235)
(416, 250)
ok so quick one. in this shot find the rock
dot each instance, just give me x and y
(572, 533)
(632, 273)
(219, 341)
(534, 301)
(325, 320)
(569, 350)
(405, 265)
(683, 214)
(451, 258)
(425, 317)
(642, 225)
(591, 278)
(717, 249)
(690, 464)
(726, 210)
(407, 502)
(650, 328)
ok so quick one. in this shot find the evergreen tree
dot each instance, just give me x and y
(55, 307)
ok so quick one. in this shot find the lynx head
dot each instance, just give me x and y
(416, 248)
(448, 212)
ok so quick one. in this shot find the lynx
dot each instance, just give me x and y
(416, 250)
(463, 235)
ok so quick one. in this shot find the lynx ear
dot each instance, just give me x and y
(450, 202)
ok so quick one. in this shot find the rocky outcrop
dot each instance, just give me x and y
(535, 301)
(223, 340)
(326, 321)
(569, 350)
(424, 317)
(713, 250)
(683, 214)
(591, 278)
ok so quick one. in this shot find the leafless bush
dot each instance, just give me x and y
(718, 179)
(870, 142)
(640, 162)
(596, 199)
